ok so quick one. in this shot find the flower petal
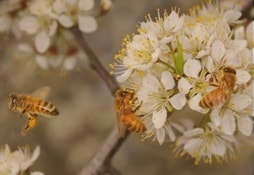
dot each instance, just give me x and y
(194, 104)
(178, 101)
(245, 125)
(228, 125)
(170, 133)
(86, 5)
(65, 20)
(42, 42)
(184, 86)
(240, 101)
(167, 80)
(159, 118)
(41, 61)
(160, 135)
(232, 15)
(217, 148)
(70, 63)
(192, 68)
(242, 76)
(218, 50)
(123, 77)
(87, 24)
(29, 24)
(215, 116)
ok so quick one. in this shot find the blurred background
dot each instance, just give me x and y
(86, 107)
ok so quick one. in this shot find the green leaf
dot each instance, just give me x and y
(178, 59)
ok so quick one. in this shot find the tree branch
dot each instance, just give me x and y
(101, 161)
(94, 61)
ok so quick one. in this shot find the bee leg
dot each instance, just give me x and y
(32, 121)
(24, 111)
(137, 108)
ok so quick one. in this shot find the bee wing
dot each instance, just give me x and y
(120, 126)
(42, 93)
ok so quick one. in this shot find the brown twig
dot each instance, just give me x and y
(101, 161)
(94, 61)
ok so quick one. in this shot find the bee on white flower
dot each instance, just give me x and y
(203, 60)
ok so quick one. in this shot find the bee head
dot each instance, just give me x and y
(12, 102)
(229, 70)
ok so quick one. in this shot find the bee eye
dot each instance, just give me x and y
(229, 70)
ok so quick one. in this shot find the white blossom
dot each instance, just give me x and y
(18, 161)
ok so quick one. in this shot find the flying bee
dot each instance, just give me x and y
(32, 106)
(225, 81)
(126, 117)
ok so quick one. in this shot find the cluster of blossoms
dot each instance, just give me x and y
(18, 162)
(43, 25)
(170, 64)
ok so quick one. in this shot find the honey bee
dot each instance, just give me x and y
(126, 117)
(32, 106)
(225, 82)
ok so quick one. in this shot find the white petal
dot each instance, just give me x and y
(232, 15)
(167, 80)
(249, 34)
(245, 125)
(41, 61)
(123, 77)
(56, 61)
(184, 86)
(29, 24)
(192, 145)
(36, 154)
(238, 45)
(159, 118)
(240, 101)
(86, 4)
(218, 50)
(42, 42)
(194, 132)
(155, 55)
(59, 6)
(160, 135)
(36, 173)
(70, 63)
(192, 68)
(210, 64)
(242, 76)
(52, 28)
(171, 133)
(200, 33)
(65, 20)
(228, 125)
(25, 48)
(194, 104)
(217, 148)
(215, 116)
(178, 101)
(87, 24)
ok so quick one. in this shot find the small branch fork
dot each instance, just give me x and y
(101, 161)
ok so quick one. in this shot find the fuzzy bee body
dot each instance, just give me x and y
(226, 82)
(126, 117)
(32, 107)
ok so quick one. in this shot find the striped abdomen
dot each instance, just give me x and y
(42, 107)
(214, 98)
(133, 123)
